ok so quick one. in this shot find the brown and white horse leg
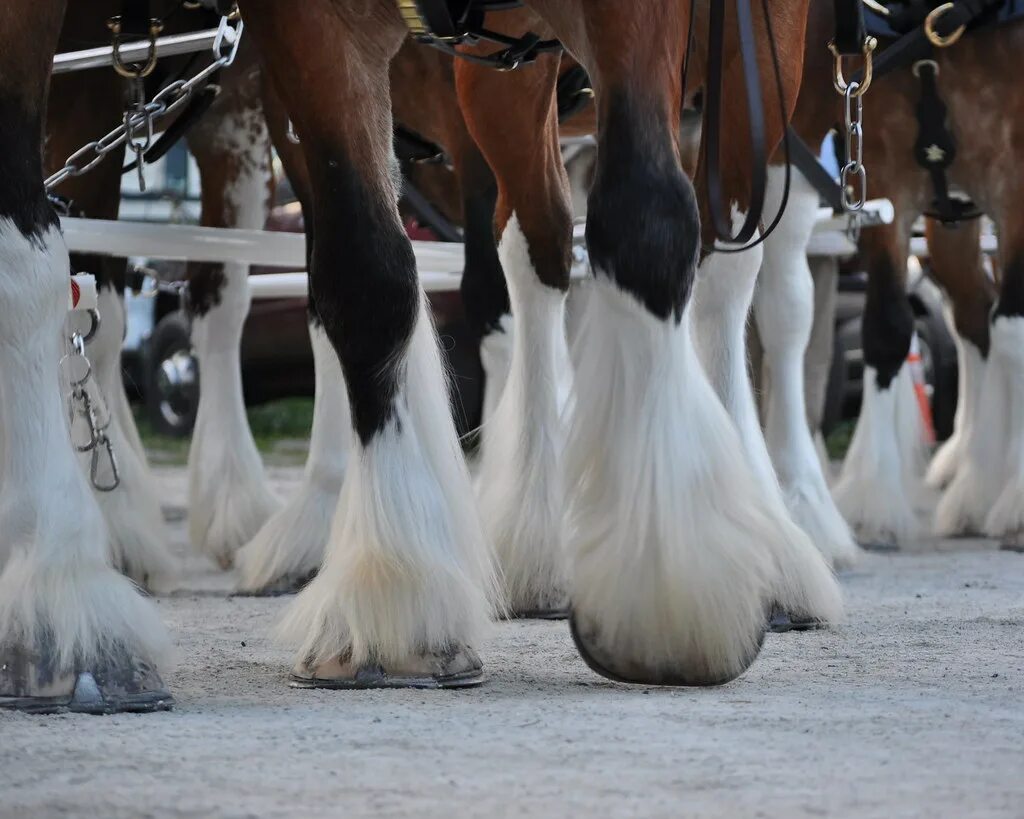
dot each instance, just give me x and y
(784, 310)
(404, 590)
(1003, 388)
(878, 489)
(677, 553)
(229, 499)
(519, 480)
(74, 633)
(82, 106)
(956, 265)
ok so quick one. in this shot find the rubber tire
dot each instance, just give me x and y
(170, 335)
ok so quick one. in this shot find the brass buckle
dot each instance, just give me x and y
(934, 37)
(122, 68)
(839, 78)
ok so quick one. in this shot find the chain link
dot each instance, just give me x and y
(854, 178)
(139, 118)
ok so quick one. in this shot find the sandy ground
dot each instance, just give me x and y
(915, 707)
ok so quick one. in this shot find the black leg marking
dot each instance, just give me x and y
(888, 323)
(22, 198)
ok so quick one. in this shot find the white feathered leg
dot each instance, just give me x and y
(950, 455)
(229, 499)
(1005, 521)
(290, 547)
(877, 491)
(784, 308)
(678, 550)
(406, 571)
(139, 539)
(496, 359)
(63, 610)
(519, 482)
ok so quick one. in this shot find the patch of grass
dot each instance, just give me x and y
(281, 429)
(839, 440)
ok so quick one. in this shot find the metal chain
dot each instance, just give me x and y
(854, 178)
(88, 415)
(138, 121)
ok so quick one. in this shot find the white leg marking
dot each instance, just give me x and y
(229, 499)
(1006, 518)
(57, 585)
(290, 546)
(951, 454)
(677, 550)
(496, 358)
(519, 482)
(876, 490)
(784, 309)
(139, 539)
(406, 569)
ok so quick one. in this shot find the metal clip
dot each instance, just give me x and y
(934, 37)
(839, 77)
(132, 72)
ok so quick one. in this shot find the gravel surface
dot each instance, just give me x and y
(914, 707)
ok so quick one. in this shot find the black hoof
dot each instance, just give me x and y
(1012, 547)
(122, 684)
(636, 674)
(539, 614)
(457, 668)
(880, 547)
(779, 622)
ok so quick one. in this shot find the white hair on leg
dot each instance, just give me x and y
(519, 482)
(229, 499)
(60, 601)
(496, 359)
(1005, 520)
(784, 309)
(139, 539)
(875, 491)
(290, 546)
(406, 570)
(952, 452)
(678, 551)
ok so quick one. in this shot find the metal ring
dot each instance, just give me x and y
(122, 68)
(839, 79)
(918, 65)
(94, 327)
(934, 37)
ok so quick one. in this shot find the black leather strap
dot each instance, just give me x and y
(717, 204)
(805, 160)
(850, 29)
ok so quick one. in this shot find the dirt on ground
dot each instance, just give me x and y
(913, 707)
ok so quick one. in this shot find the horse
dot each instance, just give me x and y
(677, 550)
(879, 489)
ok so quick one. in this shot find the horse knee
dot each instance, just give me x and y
(643, 224)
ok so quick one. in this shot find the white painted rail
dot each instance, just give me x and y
(138, 51)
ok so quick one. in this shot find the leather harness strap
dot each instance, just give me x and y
(851, 30)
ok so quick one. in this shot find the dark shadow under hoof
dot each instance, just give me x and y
(539, 614)
(780, 622)
(879, 547)
(636, 674)
(457, 668)
(279, 588)
(1012, 547)
(121, 684)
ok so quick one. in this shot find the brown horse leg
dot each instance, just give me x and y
(677, 551)
(74, 634)
(956, 265)
(403, 590)
(876, 488)
(229, 499)
(289, 547)
(84, 106)
(1003, 389)
(519, 480)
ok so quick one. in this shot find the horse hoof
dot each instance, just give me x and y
(1012, 547)
(634, 672)
(880, 547)
(117, 684)
(289, 584)
(456, 668)
(780, 622)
